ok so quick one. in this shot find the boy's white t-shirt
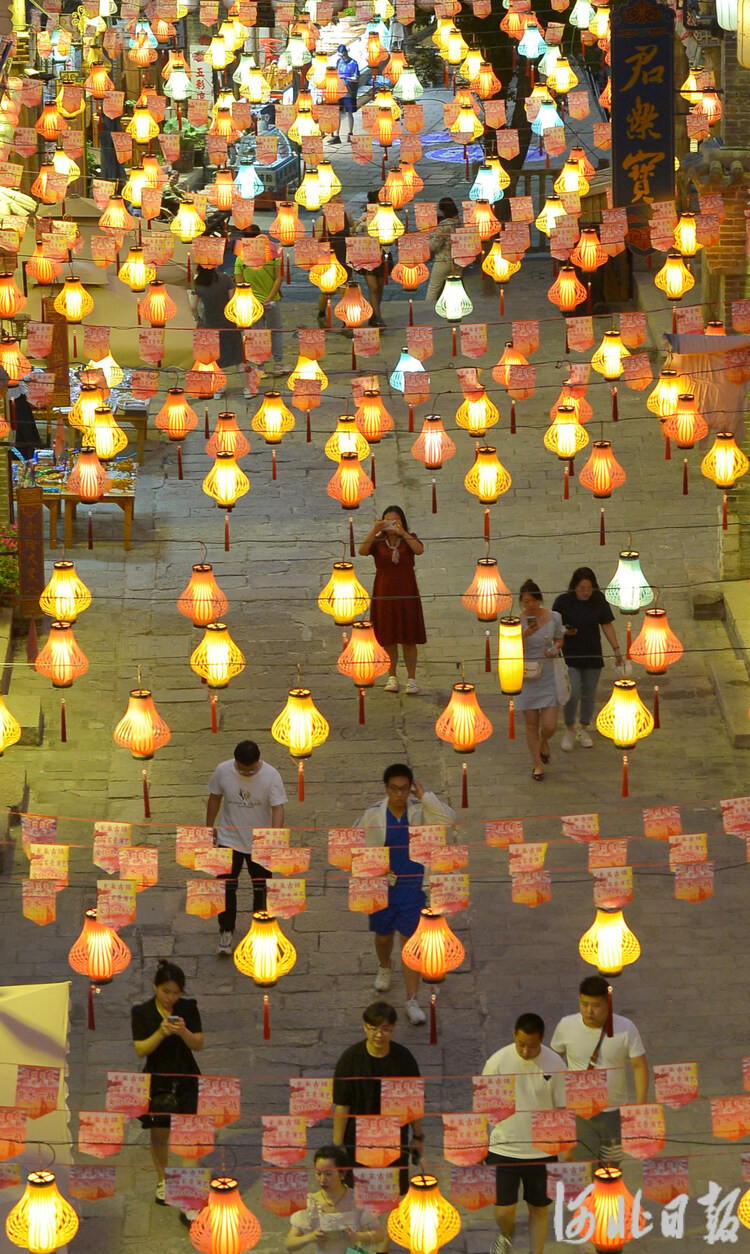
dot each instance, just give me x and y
(512, 1136)
(577, 1042)
(247, 803)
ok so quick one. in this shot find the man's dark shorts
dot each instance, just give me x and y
(511, 1172)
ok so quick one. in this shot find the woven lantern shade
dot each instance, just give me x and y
(343, 596)
(264, 953)
(50, 123)
(143, 125)
(286, 226)
(99, 953)
(602, 472)
(510, 356)
(66, 595)
(487, 479)
(83, 412)
(12, 299)
(433, 950)
(423, 1220)
(566, 436)
(608, 358)
(217, 658)
(578, 154)
(588, 253)
(363, 659)
(225, 482)
(724, 463)
(206, 380)
(372, 417)
(115, 220)
(662, 400)
(88, 478)
(462, 722)
(135, 272)
(354, 310)
(551, 210)
(453, 304)
(609, 945)
(743, 1210)
(142, 730)
(477, 413)
(610, 1205)
(307, 368)
(301, 728)
(500, 268)
(411, 178)
(384, 226)
(44, 270)
(567, 291)
(142, 53)
(224, 1225)
(333, 88)
(15, 364)
(157, 306)
(41, 189)
(304, 126)
(396, 190)
(10, 728)
(570, 179)
(629, 589)
(176, 417)
(222, 190)
(243, 307)
(329, 180)
(510, 655)
(487, 596)
(187, 224)
(624, 719)
(674, 279)
(217, 54)
(433, 445)
(223, 126)
(685, 235)
(410, 274)
(350, 484)
(107, 437)
(656, 646)
(685, 426)
(396, 66)
(43, 1220)
(347, 438)
(309, 193)
(203, 600)
(273, 419)
(227, 437)
(486, 83)
(98, 81)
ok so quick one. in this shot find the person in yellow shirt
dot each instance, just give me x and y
(266, 283)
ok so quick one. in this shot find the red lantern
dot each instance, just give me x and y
(433, 445)
(602, 472)
(176, 417)
(686, 426)
(88, 479)
(227, 437)
(656, 646)
(353, 309)
(372, 417)
(567, 291)
(203, 600)
(487, 596)
(157, 306)
(350, 484)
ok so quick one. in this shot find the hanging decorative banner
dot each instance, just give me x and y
(472, 1187)
(526, 857)
(494, 114)
(366, 341)
(186, 1188)
(257, 346)
(151, 198)
(531, 888)
(310, 251)
(214, 861)
(368, 894)
(554, 140)
(689, 320)
(363, 253)
(735, 815)
(423, 839)
(158, 248)
(219, 1098)
(746, 1074)
(521, 382)
(128, 1093)
(12, 1132)
(507, 143)
(103, 251)
(643, 1130)
(123, 146)
(602, 132)
(284, 1139)
(730, 1117)
(473, 339)
(411, 148)
(284, 1192)
(464, 1139)
(191, 1136)
(378, 1140)
(312, 344)
(37, 829)
(37, 1090)
(266, 149)
(661, 822)
(642, 47)
(373, 860)
(419, 342)
(612, 237)
(741, 316)
(526, 336)
(341, 842)
(90, 1184)
(633, 329)
(96, 346)
(286, 897)
(553, 1131)
(38, 901)
(139, 863)
(402, 1099)
(311, 1097)
(280, 860)
(586, 1092)
(376, 1189)
(413, 249)
(445, 858)
(574, 1178)
(115, 902)
(49, 862)
(676, 1083)
(578, 104)
(109, 838)
(694, 882)
(606, 853)
(192, 840)
(685, 848)
(425, 215)
(613, 887)
(151, 343)
(665, 1179)
(205, 899)
(580, 827)
(144, 383)
(503, 833)
(494, 1096)
(40, 387)
(100, 1134)
(362, 148)
(707, 229)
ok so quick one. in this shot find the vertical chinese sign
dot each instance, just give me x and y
(642, 104)
(29, 513)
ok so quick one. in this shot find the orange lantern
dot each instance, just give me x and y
(142, 53)
(487, 479)
(433, 445)
(83, 412)
(12, 299)
(206, 379)
(412, 180)
(43, 1220)
(462, 722)
(347, 438)
(187, 224)
(573, 394)
(217, 658)
(225, 482)
(98, 81)
(43, 269)
(343, 597)
(385, 127)
(510, 357)
(61, 659)
(135, 272)
(686, 425)
(203, 600)
(243, 307)
(584, 165)
(222, 191)
(610, 1206)
(98, 953)
(115, 219)
(588, 253)
(433, 950)
(396, 66)
(570, 179)
(107, 437)
(333, 88)
(286, 226)
(372, 417)
(50, 123)
(396, 190)
(656, 646)
(423, 1220)
(350, 484)
(363, 659)
(142, 730)
(88, 478)
(13, 362)
(487, 596)
(176, 417)
(375, 50)
(40, 188)
(66, 595)
(157, 306)
(307, 368)
(410, 274)
(567, 291)
(685, 235)
(602, 472)
(485, 220)
(273, 419)
(227, 437)
(74, 302)
(225, 1225)
(353, 309)
(223, 126)
(724, 463)
(674, 280)
(486, 84)
(477, 413)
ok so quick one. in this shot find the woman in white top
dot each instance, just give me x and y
(542, 632)
(331, 1221)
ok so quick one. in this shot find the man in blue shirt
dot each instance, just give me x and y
(348, 71)
(406, 804)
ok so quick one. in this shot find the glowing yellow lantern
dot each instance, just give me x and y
(602, 472)
(609, 945)
(107, 437)
(724, 463)
(12, 299)
(363, 659)
(217, 658)
(225, 1225)
(73, 302)
(551, 210)
(135, 272)
(227, 437)
(625, 719)
(142, 730)
(608, 358)
(347, 438)
(477, 413)
(570, 179)
(487, 479)
(562, 79)
(329, 275)
(674, 278)
(685, 425)
(566, 436)
(243, 307)
(142, 126)
(307, 368)
(685, 235)
(273, 419)
(10, 728)
(265, 954)
(301, 728)
(88, 478)
(43, 1219)
(66, 595)
(662, 401)
(286, 226)
(115, 220)
(176, 417)
(384, 226)
(187, 224)
(423, 1220)
(225, 482)
(15, 363)
(344, 597)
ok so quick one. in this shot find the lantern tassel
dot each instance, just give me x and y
(668, 450)
(464, 788)
(433, 1019)
(179, 462)
(724, 514)
(328, 313)
(411, 312)
(63, 722)
(588, 297)
(32, 642)
(75, 344)
(309, 429)
(146, 802)
(610, 1024)
(487, 523)
(487, 654)
(502, 302)
(354, 357)
(454, 340)
(567, 345)
(300, 781)
(674, 319)
(372, 469)
(226, 533)
(685, 477)
(92, 1024)
(266, 1018)
(511, 720)
(288, 270)
(512, 417)
(361, 707)
(351, 537)
(273, 464)
(91, 530)
(434, 496)
(625, 775)
(629, 640)
(214, 720)
(602, 537)
(205, 425)
(411, 417)
(657, 722)
(566, 486)
(614, 404)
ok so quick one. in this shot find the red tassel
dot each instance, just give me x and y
(625, 775)
(13, 420)
(372, 469)
(206, 431)
(454, 340)
(146, 802)
(288, 270)
(214, 720)
(433, 1019)
(602, 538)
(610, 1013)
(179, 462)
(411, 417)
(354, 357)
(567, 345)
(434, 497)
(572, 467)
(32, 642)
(309, 431)
(668, 450)
(512, 417)
(464, 788)
(588, 297)
(502, 302)
(361, 706)
(511, 720)
(226, 533)
(300, 781)
(328, 313)
(386, 270)
(487, 654)
(266, 1019)
(91, 530)
(466, 160)
(63, 722)
(657, 723)
(684, 478)
(628, 640)
(189, 269)
(92, 1025)
(273, 464)
(674, 318)
(487, 523)
(614, 404)
(75, 342)
(351, 537)
(724, 514)
(566, 488)
(411, 312)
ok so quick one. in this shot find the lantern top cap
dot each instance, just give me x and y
(223, 1184)
(202, 567)
(629, 555)
(141, 694)
(625, 685)
(510, 620)
(342, 565)
(608, 1174)
(423, 1181)
(486, 561)
(263, 916)
(40, 1179)
(293, 692)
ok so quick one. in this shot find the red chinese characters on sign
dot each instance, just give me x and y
(676, 1083)
(402, 1099)
(191, 1136)
(419, 342)
(531, 888)
(494, 1096)
(586, 1092)
(284, 1192)
(284, 1139)
(472, 1187)
(730, 1117)
(606, 853)
(553, 1131)
(694, 882)
(661, 822)
(342, 841)
(580, 827)
(90, 1184)
(376, 1188)
(205, 899)
(613, 887)
(115, 902)
(665, 1179)
(140, 864)
(311, 1097)
(37, 829)
(219, 1098)
(500, 834)
(109, 839)
(192, 840)
(643, 1130)
(464, 1139)
(186, 1188)
(378, 1140)
(100, 1133)
(37, 1090)
(580, 333)
(286, 897)
(128, 1093)
(38, 901)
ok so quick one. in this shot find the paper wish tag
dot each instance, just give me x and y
(730, 1117)
(494, 1095)
(531, 888)
(579, 333)
(368, 893)
(205, 898)
(423, 839)
(285, 861)
(216, 860)
(637, 371)
(735, 814)
(694, 882)
(741, 316)
(473, 339)
(366, 341)
(445, 858)
(371, 860)
(191, 1136)
(402, 1099)
(464, 1139)
(37, 829)
(586, 1092)
(286, 897)
(580, 827)
(284, 1192)
(526, 857)
(284, 1139)
(100, 1133)
(376, 1188)
(526, 336)
(665, 1179)
(39, 901)
(643, 1130)
(574, 1178)
(472, 1187)
(553, 1131)
(661, 822)
(676, 1083)
(12, 1132)
(90, 1184)
(192, 840)
(109, 839)
(503, 833)
(613, 887)
(342, 841)
(219, 1098)
(687, 848)
(128, 1093)
(139, 863)
(49, 862)
(449, 893)
(378, 1140)
(419, 342)
(115, 902)
(607, 853)
(632, 329)
(37, 1090)
(187, 1188)
(312, 1097)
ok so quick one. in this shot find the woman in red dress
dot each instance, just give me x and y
(396, 609)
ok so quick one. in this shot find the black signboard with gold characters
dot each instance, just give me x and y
(642, 103)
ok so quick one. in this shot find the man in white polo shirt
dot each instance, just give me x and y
(583, 1040)
(540, 1085)
(252, 794)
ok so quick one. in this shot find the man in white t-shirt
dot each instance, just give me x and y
(252, 795)
(584, 1041)
(540, 1085)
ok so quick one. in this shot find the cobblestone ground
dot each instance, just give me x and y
(285, 536)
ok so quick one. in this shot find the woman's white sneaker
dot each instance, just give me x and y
(584, 739)
(567, 744)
